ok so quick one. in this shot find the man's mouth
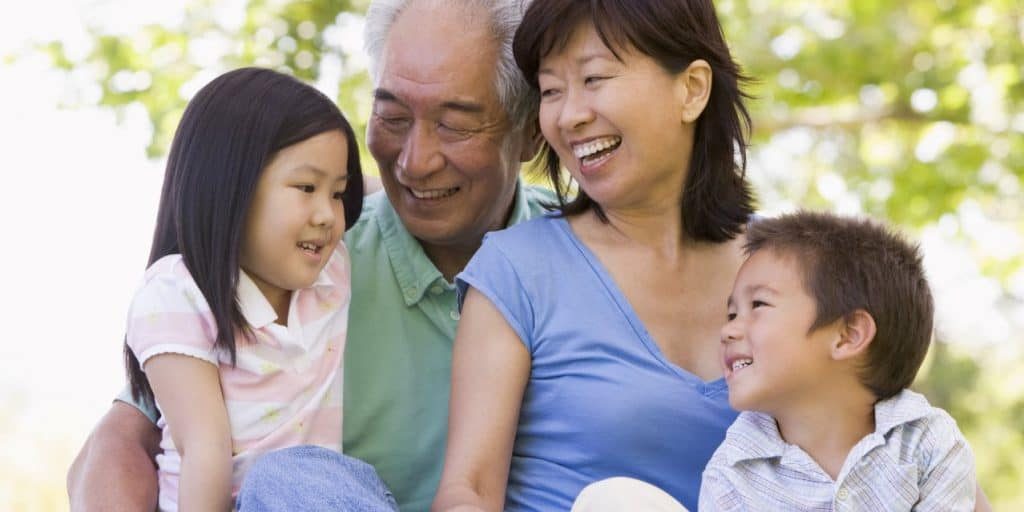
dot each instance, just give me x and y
(590, 152)
(434, 193)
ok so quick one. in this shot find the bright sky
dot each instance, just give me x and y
(78, 206)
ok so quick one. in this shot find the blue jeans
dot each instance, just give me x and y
(310, 478)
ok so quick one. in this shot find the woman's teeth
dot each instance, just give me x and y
(594, 147)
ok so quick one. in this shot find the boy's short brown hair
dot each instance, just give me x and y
(851, 263)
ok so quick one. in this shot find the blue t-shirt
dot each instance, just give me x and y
(602, 400)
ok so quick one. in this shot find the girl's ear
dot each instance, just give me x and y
(693, 89)
(857, 332)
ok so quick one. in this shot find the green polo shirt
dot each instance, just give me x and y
(398, 354)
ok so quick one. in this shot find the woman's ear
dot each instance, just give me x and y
(857, 332)
(693, 89)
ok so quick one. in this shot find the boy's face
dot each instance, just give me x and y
(770, 359)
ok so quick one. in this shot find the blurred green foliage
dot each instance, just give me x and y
(903, 110)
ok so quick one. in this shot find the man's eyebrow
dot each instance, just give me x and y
(463, 106)
(384, 95)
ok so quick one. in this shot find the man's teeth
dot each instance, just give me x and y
(433, 194)
(741, 363)
(594, 146)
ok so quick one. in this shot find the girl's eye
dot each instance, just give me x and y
(340, 196)
(731, 316)
(309, 189)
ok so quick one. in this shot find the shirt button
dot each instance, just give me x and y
(455, 315)
(410, 293)
(842, 494)
(436, 290)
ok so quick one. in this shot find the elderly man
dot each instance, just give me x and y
(451, 124)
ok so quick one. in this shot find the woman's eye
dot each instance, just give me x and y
(545, 93)
(593, 79)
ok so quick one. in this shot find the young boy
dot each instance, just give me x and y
(829, 320)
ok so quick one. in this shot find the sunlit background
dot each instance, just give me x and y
(908, 111)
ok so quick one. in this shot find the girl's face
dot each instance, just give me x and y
(617, 125)
(296, 218)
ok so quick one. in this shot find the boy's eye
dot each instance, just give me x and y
(309, 189)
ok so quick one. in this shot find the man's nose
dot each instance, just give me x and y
(421, 152)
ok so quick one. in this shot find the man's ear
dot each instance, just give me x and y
(532, 141)
(857, 331)
(693, 89)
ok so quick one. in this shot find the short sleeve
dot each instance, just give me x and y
(169, 315)
(148, 409)
(948, 481)
(493, 273)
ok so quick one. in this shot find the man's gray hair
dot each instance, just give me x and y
(518, 99)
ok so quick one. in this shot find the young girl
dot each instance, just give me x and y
(238, 329)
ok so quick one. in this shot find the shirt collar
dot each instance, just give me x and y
(255, 307)
(413, 269)
(753, 435)
(756, 435)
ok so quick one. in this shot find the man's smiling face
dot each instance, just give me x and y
(438, 132)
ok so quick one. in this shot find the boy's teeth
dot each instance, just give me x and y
(741, 363)
(585, 150)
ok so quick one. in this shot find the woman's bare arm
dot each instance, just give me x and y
(490, 369)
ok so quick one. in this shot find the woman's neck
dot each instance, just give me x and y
(659, 228)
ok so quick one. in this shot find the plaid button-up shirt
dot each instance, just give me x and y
(916, 459)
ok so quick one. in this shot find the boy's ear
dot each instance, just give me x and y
(857, 331)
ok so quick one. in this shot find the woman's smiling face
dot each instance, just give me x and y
(616, 123)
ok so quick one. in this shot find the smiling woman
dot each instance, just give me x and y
(591, 336)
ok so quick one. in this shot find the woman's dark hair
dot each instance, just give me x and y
(717, 201)
(227, 135)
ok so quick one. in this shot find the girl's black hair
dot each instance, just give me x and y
(229, 132)
(717, 201)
